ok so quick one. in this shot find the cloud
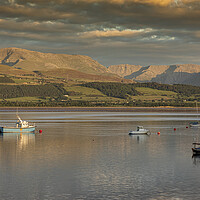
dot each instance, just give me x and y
(28, 13)
(151, 2)
(38, 27)
(113, 33)
(85, 25)
(137, 13)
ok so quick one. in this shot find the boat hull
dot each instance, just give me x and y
(196, 151)
(17, 130)
(139, 133)
(195, 125)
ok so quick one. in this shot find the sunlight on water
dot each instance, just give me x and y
(89, 155)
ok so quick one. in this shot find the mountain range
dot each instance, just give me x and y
(15, 61)
(168, 74)
(76, 67)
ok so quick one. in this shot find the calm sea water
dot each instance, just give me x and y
(89, 155)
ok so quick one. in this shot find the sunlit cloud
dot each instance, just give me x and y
(113, 33)
(153, 2)
(133, 29)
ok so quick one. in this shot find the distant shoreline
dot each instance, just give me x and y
(98, 109)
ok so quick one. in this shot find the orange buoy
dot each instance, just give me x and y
(40, 131)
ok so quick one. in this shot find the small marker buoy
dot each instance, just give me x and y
(40, 131)
(186, 126)
(158, 133)
(174, 129)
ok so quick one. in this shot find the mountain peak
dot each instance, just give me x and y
(124, 69)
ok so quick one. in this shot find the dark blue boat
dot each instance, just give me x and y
(196, 148)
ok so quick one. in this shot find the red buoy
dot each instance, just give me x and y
(174, 129)
(40, 131)
(158, 133)
(186, 126)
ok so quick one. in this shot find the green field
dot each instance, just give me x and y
(84, 91)
(24, 99)
(154, 94)
(24, 81)
(89, 94)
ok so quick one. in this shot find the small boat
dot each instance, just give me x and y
(140, 131)
(196, 148)
(21, 127)
(194, 124)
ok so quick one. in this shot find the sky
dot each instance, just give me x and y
(140, 32)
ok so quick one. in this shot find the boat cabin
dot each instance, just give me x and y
(139, 128)
(21, 124)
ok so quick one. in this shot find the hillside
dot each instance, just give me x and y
(70, 74)
(29, 60)
(8, 70)
(98, 94)
(16, 61)
(167, 74)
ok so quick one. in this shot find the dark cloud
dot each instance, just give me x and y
(130, 13)
(133, 30)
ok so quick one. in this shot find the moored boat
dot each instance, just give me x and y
(196, 148)
(194, 124)
(140, 131)
(21, 127)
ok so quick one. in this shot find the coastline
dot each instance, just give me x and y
(98, 109)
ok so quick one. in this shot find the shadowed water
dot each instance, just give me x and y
(89, 155)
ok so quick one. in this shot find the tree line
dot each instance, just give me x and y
(81, 103)
(110, 89)
(182, 89)
(48, 90)
(122, 90)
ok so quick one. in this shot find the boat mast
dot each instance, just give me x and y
(17, 112)
(197, 110)
(18, 116)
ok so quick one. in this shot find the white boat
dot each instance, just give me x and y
(140, 131)
(21, 127)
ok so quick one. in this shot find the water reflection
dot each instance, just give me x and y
(196, 160)
(13, 143)
(139, 138)
(22, 140)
